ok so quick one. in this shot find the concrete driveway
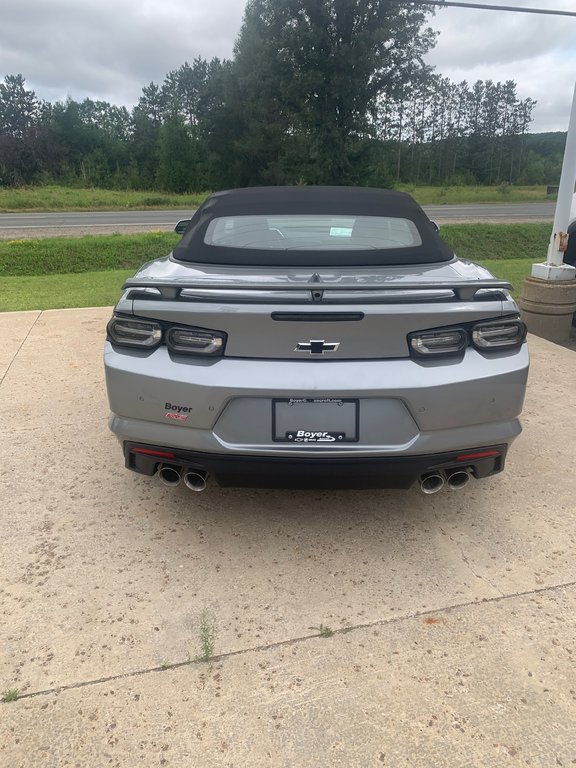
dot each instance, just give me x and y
(454, 615)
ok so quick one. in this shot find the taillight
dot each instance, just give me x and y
(442, 342)
(498, 334)
(149, 334)
(128, 332)
(195, 341)
(486, 336)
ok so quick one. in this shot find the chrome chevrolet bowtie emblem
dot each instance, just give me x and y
(317, 347)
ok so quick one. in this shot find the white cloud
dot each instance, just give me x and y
(110, 49)
(536, 51)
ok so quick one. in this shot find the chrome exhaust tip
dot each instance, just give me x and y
(195, 479)
(458, 478)
(431, 482)
(169, 475)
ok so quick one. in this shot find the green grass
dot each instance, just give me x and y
(89, 271)
(324, 631)
(504, 193)
(498, 241)
(207, 632)
(10, 694)
(57, 198)
(89, 289)
(92, 253)
(95, 253)
(513, 270)
(102, 289)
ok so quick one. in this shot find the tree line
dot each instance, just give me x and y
(316, 92)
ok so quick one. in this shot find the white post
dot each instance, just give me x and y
(554, 268)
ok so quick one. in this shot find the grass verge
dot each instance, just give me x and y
(102, 289)
(497, 241)
(88, 289)
(513, 270)
(504, 193)
(87, 272)
(92, 253)
(56, 198)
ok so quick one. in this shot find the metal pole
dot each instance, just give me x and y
(554, 268)
(489, 7)
(558, 239)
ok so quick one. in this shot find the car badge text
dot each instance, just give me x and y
(317, 346)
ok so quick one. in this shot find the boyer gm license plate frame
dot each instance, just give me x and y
(322, 421)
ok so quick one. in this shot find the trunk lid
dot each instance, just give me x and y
(323, 314)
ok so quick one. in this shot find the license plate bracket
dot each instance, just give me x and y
(315, 420)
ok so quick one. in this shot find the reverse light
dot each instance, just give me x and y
(195, 341)
(447, 341)
(499, 334)
(127, 332)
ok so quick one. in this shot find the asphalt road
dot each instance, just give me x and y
(92, 219)
(494, 212)
(41, 224)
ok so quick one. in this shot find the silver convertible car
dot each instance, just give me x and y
(315, 337)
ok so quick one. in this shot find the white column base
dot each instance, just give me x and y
(546, 271)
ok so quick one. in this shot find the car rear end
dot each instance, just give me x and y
(318, 373)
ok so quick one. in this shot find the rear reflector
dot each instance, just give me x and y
(479, 455)
(152, 452)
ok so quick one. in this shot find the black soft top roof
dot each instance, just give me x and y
(351, 201)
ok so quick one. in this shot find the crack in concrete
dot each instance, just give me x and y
(24, 340)
(478, 575)
(292, 641)
(465, 559)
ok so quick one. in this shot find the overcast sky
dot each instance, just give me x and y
(110, 49)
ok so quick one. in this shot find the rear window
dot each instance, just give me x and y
(312, 233)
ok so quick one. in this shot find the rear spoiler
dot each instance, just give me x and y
(250, 290)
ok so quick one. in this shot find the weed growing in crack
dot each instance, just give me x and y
(10, 694)
(324, 631)
(207, 636)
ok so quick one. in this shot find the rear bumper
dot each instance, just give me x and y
(243, 471)
(406, 408)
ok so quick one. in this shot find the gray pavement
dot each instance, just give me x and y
(77, 223)
(454, 615)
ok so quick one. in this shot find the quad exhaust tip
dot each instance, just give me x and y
(432, 482)
(169, 475)
(458, 478)
(195, 479)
